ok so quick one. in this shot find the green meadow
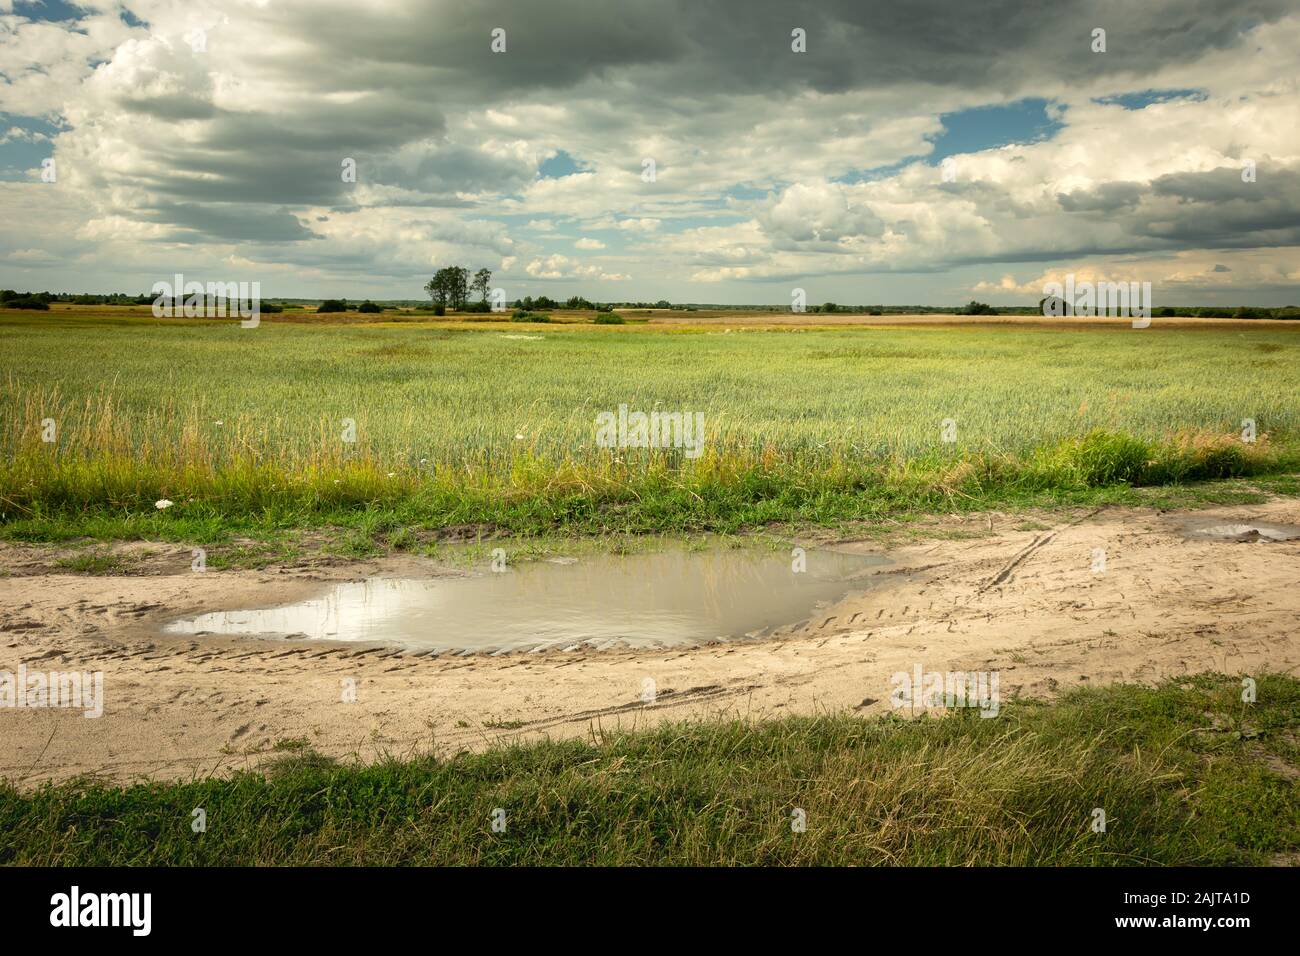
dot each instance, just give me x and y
(493, 423)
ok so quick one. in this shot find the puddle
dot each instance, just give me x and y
(1220, 530)
(662, 599)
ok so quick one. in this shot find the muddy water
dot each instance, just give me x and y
(661, 599)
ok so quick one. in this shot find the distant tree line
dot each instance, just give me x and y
(452, 287)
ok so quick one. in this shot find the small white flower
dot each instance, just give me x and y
(424, 461)
(392, 474)
(218, 423)
(338, 481)
(162, 503)
(519, 436)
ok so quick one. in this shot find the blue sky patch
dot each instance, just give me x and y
(989, 127)
(1144, 98)
(561, 165)
(22, 147)
(53, 10)
(973, 130)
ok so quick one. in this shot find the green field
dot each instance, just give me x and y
(494, 423)
(1186, 774)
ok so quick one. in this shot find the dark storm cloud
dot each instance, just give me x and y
(213, 222)
(1217, 209)
(708, 47)
(446, 167)
(416, 63)
(171, 108)
(1106, 198)
(1210, 209)
(295, 156)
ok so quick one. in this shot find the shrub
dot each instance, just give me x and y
(1107, 458)
(978, 308)
(26, 302)
(369, 306)
(333, 305)
(483, 306)
(608, 318)
(521, 315)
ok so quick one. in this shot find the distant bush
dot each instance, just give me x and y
(333, 305)
(1214, 313)
(1250, 312)
(978, 308)
(369, 306)
(439, 309)
(483, 306)
(522, 315)
(26, 302)
(608, 318)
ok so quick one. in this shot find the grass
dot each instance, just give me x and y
(471, 425)
(93, 563)
(1186, 773)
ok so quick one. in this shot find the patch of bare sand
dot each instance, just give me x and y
(1026, 603)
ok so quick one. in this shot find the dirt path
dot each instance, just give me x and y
(1025, 603)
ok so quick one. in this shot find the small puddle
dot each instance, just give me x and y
(660, 599)
(1220, 530)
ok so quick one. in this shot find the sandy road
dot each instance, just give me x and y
(1026, 603)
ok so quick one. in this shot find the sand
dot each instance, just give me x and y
(1022, 598)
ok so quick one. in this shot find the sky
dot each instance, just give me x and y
(865, 152)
